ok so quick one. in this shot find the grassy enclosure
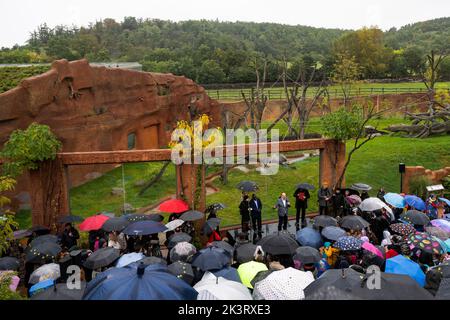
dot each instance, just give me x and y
(376, 163)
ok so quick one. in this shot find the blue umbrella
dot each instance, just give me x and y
(333, 233)
(145, 227)
(309, 237)
(41, 286)
(228, 273)
(415, 201)
(445, 200)
(128, 258)
(402, 265)
(138, 282)
(395, 200)
(211, 258)
(347, 243)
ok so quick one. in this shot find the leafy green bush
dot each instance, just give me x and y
(26, 148)
(5, 291)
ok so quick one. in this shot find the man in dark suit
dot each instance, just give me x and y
(301, 203)
(255, 207)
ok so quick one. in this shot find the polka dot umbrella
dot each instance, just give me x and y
(403, 229)
(425, 242)
(348, 243)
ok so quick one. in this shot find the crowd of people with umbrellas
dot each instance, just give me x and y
(331, 256)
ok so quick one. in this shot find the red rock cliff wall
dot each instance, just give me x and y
(94, 108)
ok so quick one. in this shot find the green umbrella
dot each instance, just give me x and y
(247, 271)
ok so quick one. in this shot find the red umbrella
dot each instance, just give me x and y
(93, 223)
(174, 205)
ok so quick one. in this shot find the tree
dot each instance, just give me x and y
(297, 81)
(210, 72)
(347, 124)
(367, 47)
(25, 149)
(346, 71)
(437, 118)
(7, 223)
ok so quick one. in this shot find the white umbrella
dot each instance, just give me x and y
(128, 258)
(286, 284)
(221, 289)
(372, 204)
(182, 251)
(172, 225)
(47, 271)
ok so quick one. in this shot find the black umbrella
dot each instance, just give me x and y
(245, 252)
(333, 233)
(210, 225)
(9, 263)
(305, 186)
(443, 292)
(192, 215)
(61, 291)
(211, 258)
(247, 186)
(178, 237)
(152, 260)
(70, 219)
(135, 217)
(115, 224)
(307, 255)
(360, 187)
(415, 217)
(40, 230)
(42, 251)
(102, 258)
(332, 293)
(225, 246)
(325, 221)
(44, 238)
(278, 243)
(182, 270)
(353, 223)
(155, 217)
(144, 227)
(392, 286)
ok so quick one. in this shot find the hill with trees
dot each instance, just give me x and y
(226, 52)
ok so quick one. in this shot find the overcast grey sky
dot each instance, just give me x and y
(18, 18)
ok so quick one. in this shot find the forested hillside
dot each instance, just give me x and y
(225, 52)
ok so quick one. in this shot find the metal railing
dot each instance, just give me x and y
(278, 94)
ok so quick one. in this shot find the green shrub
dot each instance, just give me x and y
(418, 185)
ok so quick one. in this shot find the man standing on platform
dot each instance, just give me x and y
(324, 197)
(301, 203)
(255, 207)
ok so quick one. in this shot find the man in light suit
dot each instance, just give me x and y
(282, 205)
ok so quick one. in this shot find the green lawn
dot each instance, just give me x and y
(376, 163)
(359, 89)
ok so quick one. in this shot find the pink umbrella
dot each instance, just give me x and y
(354, 199)
(371, 248)
(93, 223)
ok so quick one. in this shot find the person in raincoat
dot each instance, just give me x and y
(324, 196)
(301, 204)
(69, 236)
(245, 214)
(329, 253)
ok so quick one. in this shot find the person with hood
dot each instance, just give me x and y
(324, 196)
(69, 236)
(282, 205)
(301, 204)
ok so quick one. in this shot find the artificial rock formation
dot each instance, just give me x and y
(92, 108)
